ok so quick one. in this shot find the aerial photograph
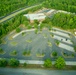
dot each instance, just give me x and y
(37, 37)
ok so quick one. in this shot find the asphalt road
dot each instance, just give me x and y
(15, 13)
(17, 71)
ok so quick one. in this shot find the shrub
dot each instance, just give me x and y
(57, 42)
(13, 62)
(54, 54)
(18, 30)
(3, 62)
(14, 52)
(60, 63)
(48, 63)
(25, 64)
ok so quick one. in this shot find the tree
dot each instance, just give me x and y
(54, 54)
(36, 21)
(60, 63)
(1, 51)
(47, 63)
(13, 62)
(3, 62)
(36, 31)
(18, 30)
(57, 42)
(14, 52)
(25, 64)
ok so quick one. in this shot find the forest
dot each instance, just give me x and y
(8, 6)
(64, 21)
(67, 5)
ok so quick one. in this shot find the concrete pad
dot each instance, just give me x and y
(60, 33)
(63, 39)
(64, 46)
(22, 32)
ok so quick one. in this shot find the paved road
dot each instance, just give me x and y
(13, 71)
(14, 14)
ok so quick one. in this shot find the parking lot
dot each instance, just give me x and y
(36, 44)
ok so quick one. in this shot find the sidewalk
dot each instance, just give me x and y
(22, 32)
(42, 62)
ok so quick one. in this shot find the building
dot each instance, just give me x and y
(39, 16)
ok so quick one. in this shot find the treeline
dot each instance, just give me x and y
(8, 6)
(65, 21)
(67, 5)
(13, 23)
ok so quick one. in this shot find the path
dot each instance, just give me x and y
(22, 32)
(42, 62)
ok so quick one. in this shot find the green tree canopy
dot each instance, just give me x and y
(13, 62)
(3, 62)
(60, 63)
(48, 63)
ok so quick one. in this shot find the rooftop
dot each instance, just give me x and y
(37, 16)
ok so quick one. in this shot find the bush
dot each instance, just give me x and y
(26, 53)
(25, 64)
(0, 41)
(60, 63)
(18, 30)
(75, 48)
(54, 54)
(14, 52)
(57, 42)
(1, 51)
(3, 62)
(36, 31)
(13, 62)
(48, 63)
(23, 34)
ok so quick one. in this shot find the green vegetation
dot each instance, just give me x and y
(57, 42)
(40, 54)
(36, 22)
(66, 55)
(67, 5)
(3, 62)
(54, 54)
(26, 53)
(25, 64)
(60, 63)
(49, 44)
(18, 30)
(13, 62)
(29, 41)
(13, 43)
(46, 23)
(48, 63)
(1, 51)
(13, 53)
(75, 48)
(8, 6)
(15, 22)
(64, 21)
(23, 34)
(36, 31)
